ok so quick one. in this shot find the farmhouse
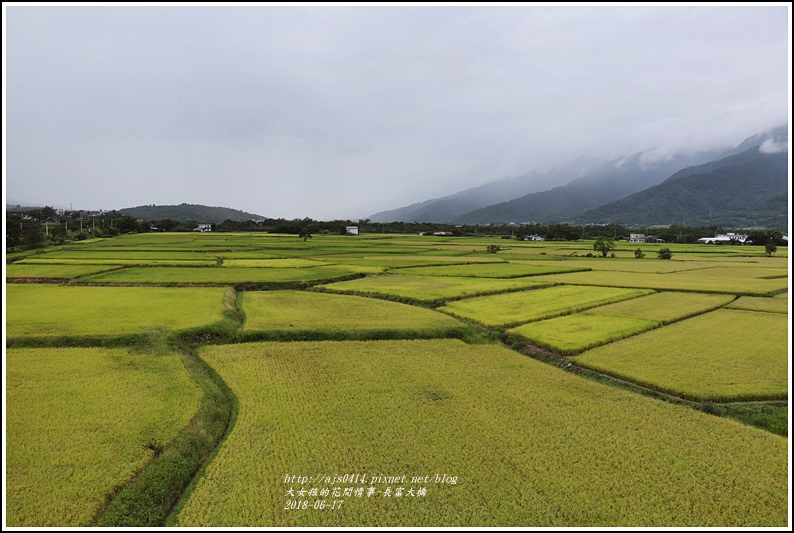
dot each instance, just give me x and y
(637, 237)
(351, 230)
(204, 227)
(730, 238)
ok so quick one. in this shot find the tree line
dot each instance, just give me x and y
(46, 226)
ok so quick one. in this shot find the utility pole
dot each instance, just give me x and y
(46, 229)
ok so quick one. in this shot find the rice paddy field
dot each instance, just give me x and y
(280, 314)
(526, 306)
(724, 355)
(35, 310)
(192, 380)
(736, 280)
(543, 447)
(430, 288)
(215, 276)
(29, 271)
(499, 270)
(82, 421)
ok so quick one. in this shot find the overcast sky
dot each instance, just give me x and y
(339, 112)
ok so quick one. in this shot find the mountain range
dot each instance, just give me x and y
(741, 185)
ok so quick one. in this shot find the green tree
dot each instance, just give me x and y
(604, 245)
(770, 248)
(664, 253)
(638, 254)
(305, 234)
(493, 248)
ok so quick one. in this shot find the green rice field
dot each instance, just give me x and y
(571, 334)
(216, 276)
(543, 448)
(769, 305)
(726, 355)
(285, 313)
(739, 281)
(51, 271)
(430, 288)
(492, 270)
(574, 333)
(82, 421)
(526, 306)
(52, 310)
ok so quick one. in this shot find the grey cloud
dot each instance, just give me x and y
(342, 111)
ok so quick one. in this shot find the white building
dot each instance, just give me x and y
(730, 238)
(205, 227)
(352, 230)
(637, 237)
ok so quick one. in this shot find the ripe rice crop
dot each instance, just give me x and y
(769, 305)
(718, 280)
(51, 271)
(285, 314)
(429, 288)
(54, 310)
(727, 355)
(525, 306)
(216, 276)
(494, 270)
(571, 334)
(527, 445)
(81, 421)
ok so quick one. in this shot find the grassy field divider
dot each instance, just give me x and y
(149, 497)
(461, 332)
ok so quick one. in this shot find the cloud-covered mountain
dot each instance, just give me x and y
(742, 190)
(449, 208)
(611, 181)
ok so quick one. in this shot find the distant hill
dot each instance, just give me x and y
(610, 181)
(748, 189)
(183, 212)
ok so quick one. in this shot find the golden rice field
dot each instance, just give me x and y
(541, 448)
(301, 311)
(430, 288)
(525, 306)
(53, 310)
(81, 421)
(728, 355)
